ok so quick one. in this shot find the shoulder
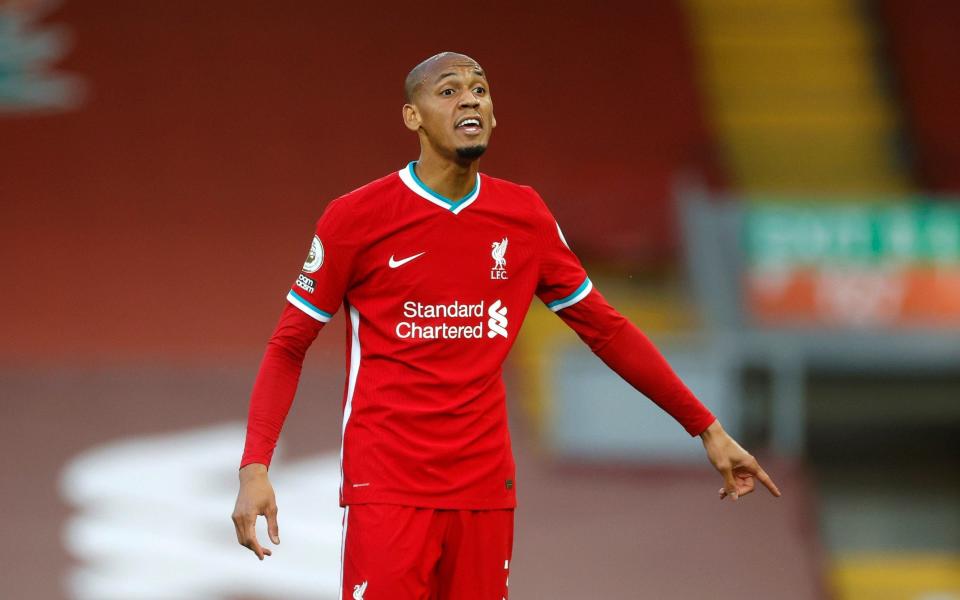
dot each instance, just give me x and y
(517, 193)
(508, 187)
(530, 206)
(363, 200)
(364, 195)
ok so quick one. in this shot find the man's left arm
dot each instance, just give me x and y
(629, 353)
(564, 287)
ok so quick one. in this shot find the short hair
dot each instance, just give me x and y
(415, 77)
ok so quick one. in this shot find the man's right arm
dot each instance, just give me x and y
(313, 298)
(276, 383)
(273, 393)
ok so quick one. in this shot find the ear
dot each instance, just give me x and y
(411, 117)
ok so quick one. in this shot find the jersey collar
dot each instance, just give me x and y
(410, 179)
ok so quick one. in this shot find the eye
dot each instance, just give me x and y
(479, 90)
(446, 92)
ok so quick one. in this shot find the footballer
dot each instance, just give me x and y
(436, 265)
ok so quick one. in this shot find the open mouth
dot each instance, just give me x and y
(470, 125)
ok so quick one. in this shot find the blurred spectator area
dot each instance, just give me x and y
(209, 137)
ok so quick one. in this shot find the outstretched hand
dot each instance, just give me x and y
(737, 466)
(256, 498)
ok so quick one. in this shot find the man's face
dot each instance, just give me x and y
(453, 109)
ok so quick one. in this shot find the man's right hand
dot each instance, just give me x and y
(255, 498)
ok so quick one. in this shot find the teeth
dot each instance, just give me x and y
(467, 122)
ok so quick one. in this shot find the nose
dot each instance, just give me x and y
(468, 100)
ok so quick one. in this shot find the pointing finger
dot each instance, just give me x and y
(766, 481)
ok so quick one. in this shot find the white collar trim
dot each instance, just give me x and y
(410, 179)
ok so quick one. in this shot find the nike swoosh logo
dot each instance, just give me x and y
(399, 263)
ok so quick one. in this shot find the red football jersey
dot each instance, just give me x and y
(435, 290)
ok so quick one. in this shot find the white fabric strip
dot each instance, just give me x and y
(343, 548)
(309, 310)
(469, 200)
(577, 298)
(351, 381)
(417, 189)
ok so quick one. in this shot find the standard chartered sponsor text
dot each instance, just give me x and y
(412, 329)
(414, 310)
(467, 321)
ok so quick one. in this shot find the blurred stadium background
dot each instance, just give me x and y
(770, 189)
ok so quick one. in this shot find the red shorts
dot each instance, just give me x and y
(405, 553)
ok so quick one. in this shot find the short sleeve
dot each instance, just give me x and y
(323, 281)
(562, 280)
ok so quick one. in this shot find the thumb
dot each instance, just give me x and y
(273, 529)
(730, 484)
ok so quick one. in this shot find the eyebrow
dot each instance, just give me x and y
(454, 74)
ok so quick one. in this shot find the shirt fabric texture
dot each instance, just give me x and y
(435, 291)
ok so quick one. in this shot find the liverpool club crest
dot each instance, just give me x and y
(499, 254)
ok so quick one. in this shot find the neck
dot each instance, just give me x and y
(449, 178)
